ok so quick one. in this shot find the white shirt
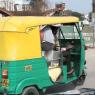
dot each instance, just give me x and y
(48, 35)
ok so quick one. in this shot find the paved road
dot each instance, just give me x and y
(90, 79)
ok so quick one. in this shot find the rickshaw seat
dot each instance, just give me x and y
(54, 73)
(54, 69)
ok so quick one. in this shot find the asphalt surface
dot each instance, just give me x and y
(90, 78)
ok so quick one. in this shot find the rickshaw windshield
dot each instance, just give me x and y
(69, 31)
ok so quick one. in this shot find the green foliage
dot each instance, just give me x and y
(69, 13)
(77, 14)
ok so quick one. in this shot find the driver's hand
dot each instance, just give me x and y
(63, 49)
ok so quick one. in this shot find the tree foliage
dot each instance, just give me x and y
(77, 14)
(38, 5)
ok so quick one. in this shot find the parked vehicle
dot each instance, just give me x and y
(24, 69)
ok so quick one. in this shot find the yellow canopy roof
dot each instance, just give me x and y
(18, 44)
(15, 23)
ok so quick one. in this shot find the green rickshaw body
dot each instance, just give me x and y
(22, 64)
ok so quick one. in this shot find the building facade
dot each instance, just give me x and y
(7, 4)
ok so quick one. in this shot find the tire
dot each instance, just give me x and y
(30, 91)
(80, 81)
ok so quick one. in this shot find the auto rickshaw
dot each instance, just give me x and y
(24, 69)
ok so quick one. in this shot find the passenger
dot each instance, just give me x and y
(47, 41)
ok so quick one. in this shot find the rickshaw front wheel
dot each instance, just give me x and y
(80, 81)
(30, 91)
